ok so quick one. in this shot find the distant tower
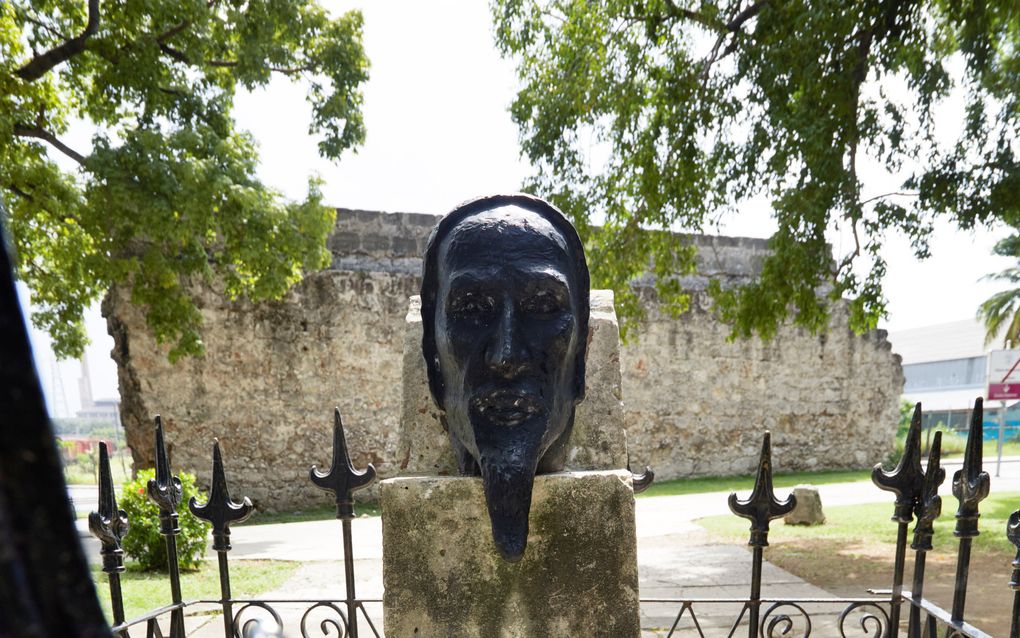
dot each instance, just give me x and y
(59, 397)
(85, 384)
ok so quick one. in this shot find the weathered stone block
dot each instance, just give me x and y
(598, 441)
(444, 577)
(809, 507)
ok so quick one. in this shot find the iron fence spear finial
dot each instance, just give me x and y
(762, 506)
(929, 505)
(165, 490)
(109, 524)
(971, 483)
(906, 480)
(342, 479)
(219, 509)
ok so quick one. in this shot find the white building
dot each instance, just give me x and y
(945, 367)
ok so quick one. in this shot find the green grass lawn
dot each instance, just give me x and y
(871, 523)
(145, 591)
(82, 470)
(324, 513)
(704, 484)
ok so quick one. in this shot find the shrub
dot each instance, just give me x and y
(143, 541)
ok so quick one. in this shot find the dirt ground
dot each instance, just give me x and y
(989, 598)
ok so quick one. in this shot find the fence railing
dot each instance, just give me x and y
(879, 615)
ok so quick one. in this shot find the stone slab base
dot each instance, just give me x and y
(443, 576)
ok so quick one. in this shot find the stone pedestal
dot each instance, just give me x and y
(444, 577)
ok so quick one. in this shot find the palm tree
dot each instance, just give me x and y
(1003, 308)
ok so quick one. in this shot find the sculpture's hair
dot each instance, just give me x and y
(430, 281)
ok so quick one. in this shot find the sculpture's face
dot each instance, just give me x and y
(506, 334)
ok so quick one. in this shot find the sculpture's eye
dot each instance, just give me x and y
(543, 302)
(472, 305)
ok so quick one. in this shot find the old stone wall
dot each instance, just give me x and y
(694, 402)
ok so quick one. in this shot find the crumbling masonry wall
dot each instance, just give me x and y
(694, 402)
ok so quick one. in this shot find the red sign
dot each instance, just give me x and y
(1003, 391)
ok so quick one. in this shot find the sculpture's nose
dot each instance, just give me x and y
(506, 353)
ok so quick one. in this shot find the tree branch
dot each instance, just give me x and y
(694, 16)
(181, 57)
(20, 193)
(39, 132)
(731, 28)
(174, 53)
(750, 12)
(890, 194)
(276, 69)
(40, 64)
(45, 27)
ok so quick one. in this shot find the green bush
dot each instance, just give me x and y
(143, 541)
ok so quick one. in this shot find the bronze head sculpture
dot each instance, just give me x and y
(505, 316)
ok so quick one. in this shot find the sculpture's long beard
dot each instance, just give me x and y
(508, 480)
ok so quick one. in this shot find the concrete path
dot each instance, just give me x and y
(675, 558)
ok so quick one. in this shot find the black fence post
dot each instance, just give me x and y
(760, 508)
(929, 508)
(906, 480)
(110, 525)
(1013, 533)
(165, 491)
(341, 480)
(221, 512)
(970, 487)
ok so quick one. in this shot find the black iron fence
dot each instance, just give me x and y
(881, 614)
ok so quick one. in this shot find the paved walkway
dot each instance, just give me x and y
(675, 557)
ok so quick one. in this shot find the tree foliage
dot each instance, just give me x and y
(1001, 312)
(645, 114)
(167, 194)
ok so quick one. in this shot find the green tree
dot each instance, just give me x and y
(167, 194)
(664, 114)
(1001, 312)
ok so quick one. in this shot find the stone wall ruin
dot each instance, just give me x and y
(694, 402)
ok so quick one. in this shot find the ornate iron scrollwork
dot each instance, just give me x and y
(326, 625)
(642, 481)
(874, 625)
(773, 622)
(244, 627)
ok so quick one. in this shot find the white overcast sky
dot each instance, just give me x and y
(439, 132)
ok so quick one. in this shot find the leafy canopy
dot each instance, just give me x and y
(664, 114)
(167, 194)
